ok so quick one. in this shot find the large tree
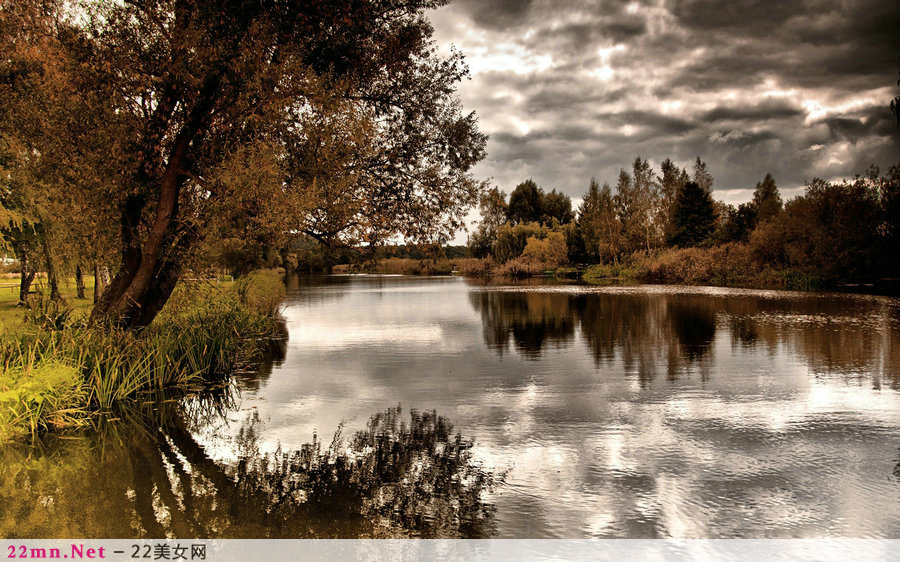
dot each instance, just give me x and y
(525, 203)
(173, 95)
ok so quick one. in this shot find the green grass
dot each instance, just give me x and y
(12, 315)
(200, 335)
(36, 397)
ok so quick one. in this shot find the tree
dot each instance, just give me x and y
(549, 252)
(556, 205)
(625, 201)
(671, 181)
(512, 238)
(170, 90)
(702, 177)
(736, 223)
(832, 230)
(493, 208)
(525, 203)
(895, 106)
(648, 220)
(600, 227)
(766, 199)
(694, 216)
(889, 189)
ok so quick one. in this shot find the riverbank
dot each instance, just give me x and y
(56, 371)
(728, 265)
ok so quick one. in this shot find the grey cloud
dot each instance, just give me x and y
(498, 14)
(744, 17)
(583, 35)
(717, 59)
(748, 112)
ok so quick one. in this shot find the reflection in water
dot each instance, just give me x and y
(397, 477)
(531, 320)
(667, 333)
(609, 412)
(694, 327)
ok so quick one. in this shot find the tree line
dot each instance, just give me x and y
(835, 231)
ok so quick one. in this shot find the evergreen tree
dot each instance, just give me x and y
(673, 178)
(694, 216)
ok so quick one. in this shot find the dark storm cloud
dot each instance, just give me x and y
(498, 14)
(570, 89)
(575, 37)
(743, 17)
(760, 112)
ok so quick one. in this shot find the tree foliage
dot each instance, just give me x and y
(525, 203)
(154, 113)
(601, 229)
(766, 199)
(693, 216)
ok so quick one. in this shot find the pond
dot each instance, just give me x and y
(447, 407)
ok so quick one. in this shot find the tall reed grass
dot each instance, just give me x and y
(55, 375)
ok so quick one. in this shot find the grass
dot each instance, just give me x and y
(200, 335)
(12, 316)
(36, 396)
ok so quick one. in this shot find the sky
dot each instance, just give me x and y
(569, 89)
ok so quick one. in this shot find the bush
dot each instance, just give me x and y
(604, 272)
(551, 251)
(690, 266)
(473, 266)
(522, 267)
(512, 239)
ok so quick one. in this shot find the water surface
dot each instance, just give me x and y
(582, 411)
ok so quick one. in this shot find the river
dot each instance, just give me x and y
(447, 407)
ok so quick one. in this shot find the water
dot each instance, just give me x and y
(628, 412)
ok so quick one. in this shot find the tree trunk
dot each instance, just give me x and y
(98, 284)
(123, 302)
(79, 282)
(25, 280)
(151, 262)
(52, 277)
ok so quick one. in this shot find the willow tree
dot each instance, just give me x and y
(187, 88)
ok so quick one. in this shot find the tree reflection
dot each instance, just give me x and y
(671, 333)
(531, 320)
(400, 476)
(694, 325)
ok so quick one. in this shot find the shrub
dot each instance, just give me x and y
(473, 266)
(521, 267)
(551, 251)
